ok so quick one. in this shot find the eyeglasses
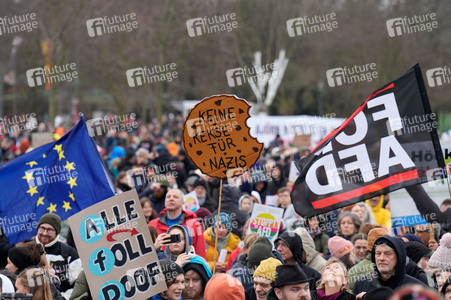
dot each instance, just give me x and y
(281, 244)
(43, 229)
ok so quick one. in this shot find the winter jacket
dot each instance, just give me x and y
(188, 242)
(232, 243)
(342, 296)
(81, 287)
(416, 272)
(189, 219)
(289, 214)
(294, 242)
(229, 205)
(382, 216)
(400, 277)
(313, 259)
(361, 269)
(234, 255)
(240, 271)
(64, 260)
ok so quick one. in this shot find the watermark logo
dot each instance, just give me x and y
(309, 25)
(412, 124)
(149, 75)
(240, 76)
(315, 124)
(256, 174)
(110, 25)
(43, 176)
(209, 25)
(18, 123)
(348, 75)
(409, 25)
(51, 75)
(438, 76)
(111, 123)
(138, 177)
(16, 24)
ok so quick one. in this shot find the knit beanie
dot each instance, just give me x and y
(373, 235)
(339, 246)
(25, 255)
(170, 269)
(267, 268)
(200, 182)
(223, 286)
(52, 219)
(199, 270)
(442, 255)
(260, 250)
(224, 219)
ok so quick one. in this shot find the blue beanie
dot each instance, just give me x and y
(224, 219)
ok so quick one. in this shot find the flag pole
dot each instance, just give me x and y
(216, 235)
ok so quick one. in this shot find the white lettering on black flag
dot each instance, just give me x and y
(375, 151)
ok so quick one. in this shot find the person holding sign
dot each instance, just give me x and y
(175, 214)
(227, 241)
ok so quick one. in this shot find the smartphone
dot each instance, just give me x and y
(174, 238)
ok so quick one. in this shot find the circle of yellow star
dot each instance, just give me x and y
(72, 182)
(71, 196)
(32, 190)
(51, 208)
(61, 155)
(40, 201)
(69, 166)
(66, 205)
(28, 176)
(31, 163)
(58, 148)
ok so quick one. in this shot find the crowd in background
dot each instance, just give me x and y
(343, 254)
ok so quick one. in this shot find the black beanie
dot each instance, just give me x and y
(200, 182)
(199, 270)
(21, 257)
(52, 219)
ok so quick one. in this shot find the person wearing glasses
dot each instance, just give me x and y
(61, 257)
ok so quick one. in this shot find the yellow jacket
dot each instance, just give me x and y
(382, 215)
(232, 243)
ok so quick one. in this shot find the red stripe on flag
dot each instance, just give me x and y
(409, 175)
(347, 121)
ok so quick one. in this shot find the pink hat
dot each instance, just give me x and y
(339, 246)
(442, 255)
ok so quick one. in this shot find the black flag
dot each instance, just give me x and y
(388, 143)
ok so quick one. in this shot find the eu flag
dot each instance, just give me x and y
(63, 177)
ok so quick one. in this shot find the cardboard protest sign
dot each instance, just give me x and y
(116, 249)
(265, 221)
(402, 207)
(191, 202)
(217, 139)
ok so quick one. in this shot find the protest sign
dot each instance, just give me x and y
(191, 202)
(265, 221)
(217, 139)
(116, 249)
(373, 152)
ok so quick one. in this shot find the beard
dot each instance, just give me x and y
(188, 295)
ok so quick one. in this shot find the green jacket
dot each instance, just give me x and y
(80, 288)
(361, 269)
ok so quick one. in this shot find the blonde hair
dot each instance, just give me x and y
(36, 282)
(344, 286)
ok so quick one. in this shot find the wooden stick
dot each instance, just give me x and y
(216, 240)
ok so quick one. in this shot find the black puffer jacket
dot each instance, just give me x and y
(294, 242)
(369, 283)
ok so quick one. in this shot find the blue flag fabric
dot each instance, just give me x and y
(63, 177)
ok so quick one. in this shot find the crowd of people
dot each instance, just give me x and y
(350, 253)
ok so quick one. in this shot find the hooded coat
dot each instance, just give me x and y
(232, 243)
(400, 277)
(313, 259)
(189, 219)
(382, 216)
(294, 242)
(229, 205)
(188, 242)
